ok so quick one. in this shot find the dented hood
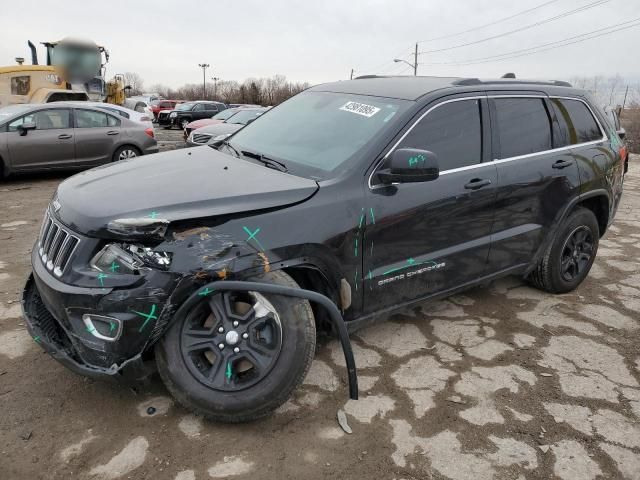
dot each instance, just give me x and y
(177, 185)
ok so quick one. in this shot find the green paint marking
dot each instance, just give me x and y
(153, 215)
(36, 339)
(91, 329)
(101, 277)
(355, 248)
(148, 317)
(229, 372)
(361, 219)
(205, 292)
(252, 236)
(411, 262)
(370, 275)
(114, 267)
(112, 326)
(373, 218)
(415, 159)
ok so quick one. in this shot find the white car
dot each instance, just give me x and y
(143, 118)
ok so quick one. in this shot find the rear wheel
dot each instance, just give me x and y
(569, 258)
(126, 152)
(237, 356)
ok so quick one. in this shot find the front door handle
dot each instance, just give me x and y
(477, 183)
(563, 164)
(112, 132)
(64, 136)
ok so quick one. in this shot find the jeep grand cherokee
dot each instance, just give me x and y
(370, 194)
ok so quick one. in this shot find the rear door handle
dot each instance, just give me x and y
(64, 136)
(563, 164)
(477, 183)
(113, 132)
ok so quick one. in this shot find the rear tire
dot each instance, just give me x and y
(126, 152)
(238, 392)
(568, 259)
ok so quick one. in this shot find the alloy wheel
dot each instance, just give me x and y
(231, 340)
(576, 253)
(127, 153)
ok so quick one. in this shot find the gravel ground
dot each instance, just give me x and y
(501, 382)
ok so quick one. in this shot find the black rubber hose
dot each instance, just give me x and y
(334, 313)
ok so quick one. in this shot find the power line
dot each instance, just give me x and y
(549, 46)
(526, 27)
(490, 23)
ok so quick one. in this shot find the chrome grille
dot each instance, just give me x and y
(201, 137)
(56, 245)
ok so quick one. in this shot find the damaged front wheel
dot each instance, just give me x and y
(237, 356)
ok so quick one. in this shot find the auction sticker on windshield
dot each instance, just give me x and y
(360, 108)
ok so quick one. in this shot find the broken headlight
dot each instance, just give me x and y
(128, 259)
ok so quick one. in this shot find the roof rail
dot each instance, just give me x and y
(510, 81)
(369, 76)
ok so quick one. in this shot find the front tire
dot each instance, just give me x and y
(567, 261)
(237, 356)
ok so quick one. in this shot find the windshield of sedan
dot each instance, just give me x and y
(11, 110)
(243, 116)
(223, 115)
(318, 131)
(183, 107)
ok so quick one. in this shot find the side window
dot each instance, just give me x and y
(198, 108)
(523, 126)
(577, 124)
(94, 119)
(13, 126)
(140, 107)
(44, 120)
(453, 131)
(211, 106)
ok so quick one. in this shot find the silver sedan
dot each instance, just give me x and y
(64, 135)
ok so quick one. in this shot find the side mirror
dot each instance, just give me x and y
(407, 165)
(25, 127)
(622, 133)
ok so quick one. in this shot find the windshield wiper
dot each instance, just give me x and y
(268, 162)
(232, 148)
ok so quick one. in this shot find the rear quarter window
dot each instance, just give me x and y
(576, 122)
(523, 126)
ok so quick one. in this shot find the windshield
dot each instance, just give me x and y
(185, 106)
(319, 131)
(243, 116)
(223, 115)
(11, 110)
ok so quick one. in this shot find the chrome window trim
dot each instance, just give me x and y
(495, 160)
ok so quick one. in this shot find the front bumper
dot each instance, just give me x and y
(56, 314)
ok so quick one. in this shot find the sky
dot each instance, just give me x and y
(322, 40)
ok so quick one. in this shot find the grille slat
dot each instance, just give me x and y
(56, 244)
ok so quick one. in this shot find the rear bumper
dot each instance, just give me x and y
(151, 149)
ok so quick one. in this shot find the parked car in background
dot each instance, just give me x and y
(217, 118)
(158, 106)
(187, 112)
(142, 118)
(214, 133)
(65, 135)
(138, 105)
(244, 105)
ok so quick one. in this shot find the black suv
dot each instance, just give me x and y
(187, 112)
(356, 197)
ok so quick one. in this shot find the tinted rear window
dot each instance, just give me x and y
(452, 131)
(523, 126)
(576, 122)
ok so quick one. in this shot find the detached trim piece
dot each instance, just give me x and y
(334, 314)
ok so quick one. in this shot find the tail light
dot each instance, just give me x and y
(623, 152)
(149, 131)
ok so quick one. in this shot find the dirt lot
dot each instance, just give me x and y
(502, 382)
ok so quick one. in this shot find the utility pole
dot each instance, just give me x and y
(215, 86)
(415, 62)
(623, 101)
(204, 67)
(351, 77)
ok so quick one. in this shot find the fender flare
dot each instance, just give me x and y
(332, 309)
(558, 221)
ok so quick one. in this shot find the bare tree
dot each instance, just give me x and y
(134, 80)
